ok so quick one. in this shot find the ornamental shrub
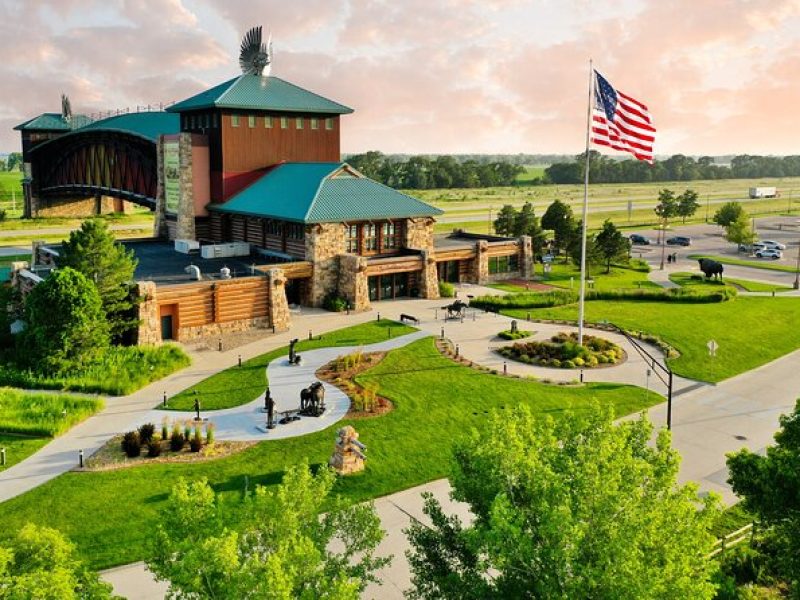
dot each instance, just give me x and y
(176, 441)
(447, 290)
(131, 445)
(146, 433)
(154, 448)
(334, 303)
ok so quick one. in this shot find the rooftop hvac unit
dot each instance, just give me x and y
(186, 246)
(225, 250)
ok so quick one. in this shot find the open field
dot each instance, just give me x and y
(531, 172)
(240, 385)
(470, 209)
(109, 515)
(750, 331)
(11, 193)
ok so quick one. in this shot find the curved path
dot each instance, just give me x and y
(247, 422)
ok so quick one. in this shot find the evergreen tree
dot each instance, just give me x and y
(612, 245)
(506, 220)
(93, 251)
(525, 220)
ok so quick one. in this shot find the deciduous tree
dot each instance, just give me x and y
(770, 487)
(729, 213)
(612, 245)
(40, 563)
(687, 204)
(739, 231)
(283, 547)
(558, 219)
(93, 251)
(575, 508)
(65, 322)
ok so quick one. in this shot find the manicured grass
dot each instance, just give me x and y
(621, 277)
(43, 414)
(764, 263)
(110, 515)
(239, 385)
(685, 280)
(20, 447)
(750, 331)
(120, 371)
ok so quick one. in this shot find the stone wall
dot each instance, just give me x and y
(419, 233)
(429, 279)
(480, 265)
(353, 281)
(183, 227)
(190, 334)
(160, 220)
(77, 207)
(280, 317)
(324, 243)
(149, 330)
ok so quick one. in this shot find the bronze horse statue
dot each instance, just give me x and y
(455, 310)
(312, 400)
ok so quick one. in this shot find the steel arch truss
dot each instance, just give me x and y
(98, 162)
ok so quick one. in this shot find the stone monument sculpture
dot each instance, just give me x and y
(348, 454)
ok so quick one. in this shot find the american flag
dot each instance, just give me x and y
(621, 122)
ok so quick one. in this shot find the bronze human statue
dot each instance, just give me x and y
(269, 406)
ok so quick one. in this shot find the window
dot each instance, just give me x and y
(370, 237)
(191, 122)
(214, 123)
(234, 120)
(296, 231)
(314, 123)
(389, 232)
(352, 239)
(274, 228)
(284, 122)
(329, 123)
(251, 121)
(206, 121)
(298, 123)
(503, 264)
(268, 122)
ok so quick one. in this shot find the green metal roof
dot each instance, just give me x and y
(53, 122)
(148, 125)
(254, 92)
(322, 193)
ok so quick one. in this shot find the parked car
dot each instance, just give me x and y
(772, 253)
(756, 246)
(773, 245)
(679, 240)
(640, 240)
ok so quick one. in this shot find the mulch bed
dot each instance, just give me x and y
(110, 456)
(345, 381)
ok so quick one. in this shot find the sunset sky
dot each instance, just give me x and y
(430, 76)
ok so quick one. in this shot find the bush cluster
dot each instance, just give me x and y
(176, 437)
(334, 303)
(562, 351)
(507, 334)
(447, 290)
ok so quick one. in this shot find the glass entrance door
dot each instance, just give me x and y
(386, 287)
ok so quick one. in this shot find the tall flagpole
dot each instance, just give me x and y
(582, 296)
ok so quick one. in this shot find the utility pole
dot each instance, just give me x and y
(708, 203)
(490, 220)
(797, 269)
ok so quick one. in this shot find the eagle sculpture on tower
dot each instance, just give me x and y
(255, 57)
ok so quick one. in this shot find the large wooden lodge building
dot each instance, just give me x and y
(249, 173)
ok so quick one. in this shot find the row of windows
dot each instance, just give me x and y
(210, 121)
(365, 239)
(269, 122)
(503, 264)
(294, 231)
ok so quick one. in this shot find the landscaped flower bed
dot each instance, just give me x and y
(562, 351)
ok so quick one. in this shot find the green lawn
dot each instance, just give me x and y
(685, 280)
(109, 514)
(239, 385)
(530, 173)
(765, 263)
(621, 277)
(20, 447)
(750, 331)
(29, 421)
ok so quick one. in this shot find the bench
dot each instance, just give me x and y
(412, 318)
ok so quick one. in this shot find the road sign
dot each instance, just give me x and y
(712, 347)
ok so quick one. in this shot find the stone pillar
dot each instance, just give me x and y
(526, 256)
(419, 234)
(481, 266)
(185, 227)
(429, 278)
(160, 221)
(325, 242)
(279, 315)
(353, 281)
(149, 330)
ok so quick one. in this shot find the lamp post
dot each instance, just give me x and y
(797, 270)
